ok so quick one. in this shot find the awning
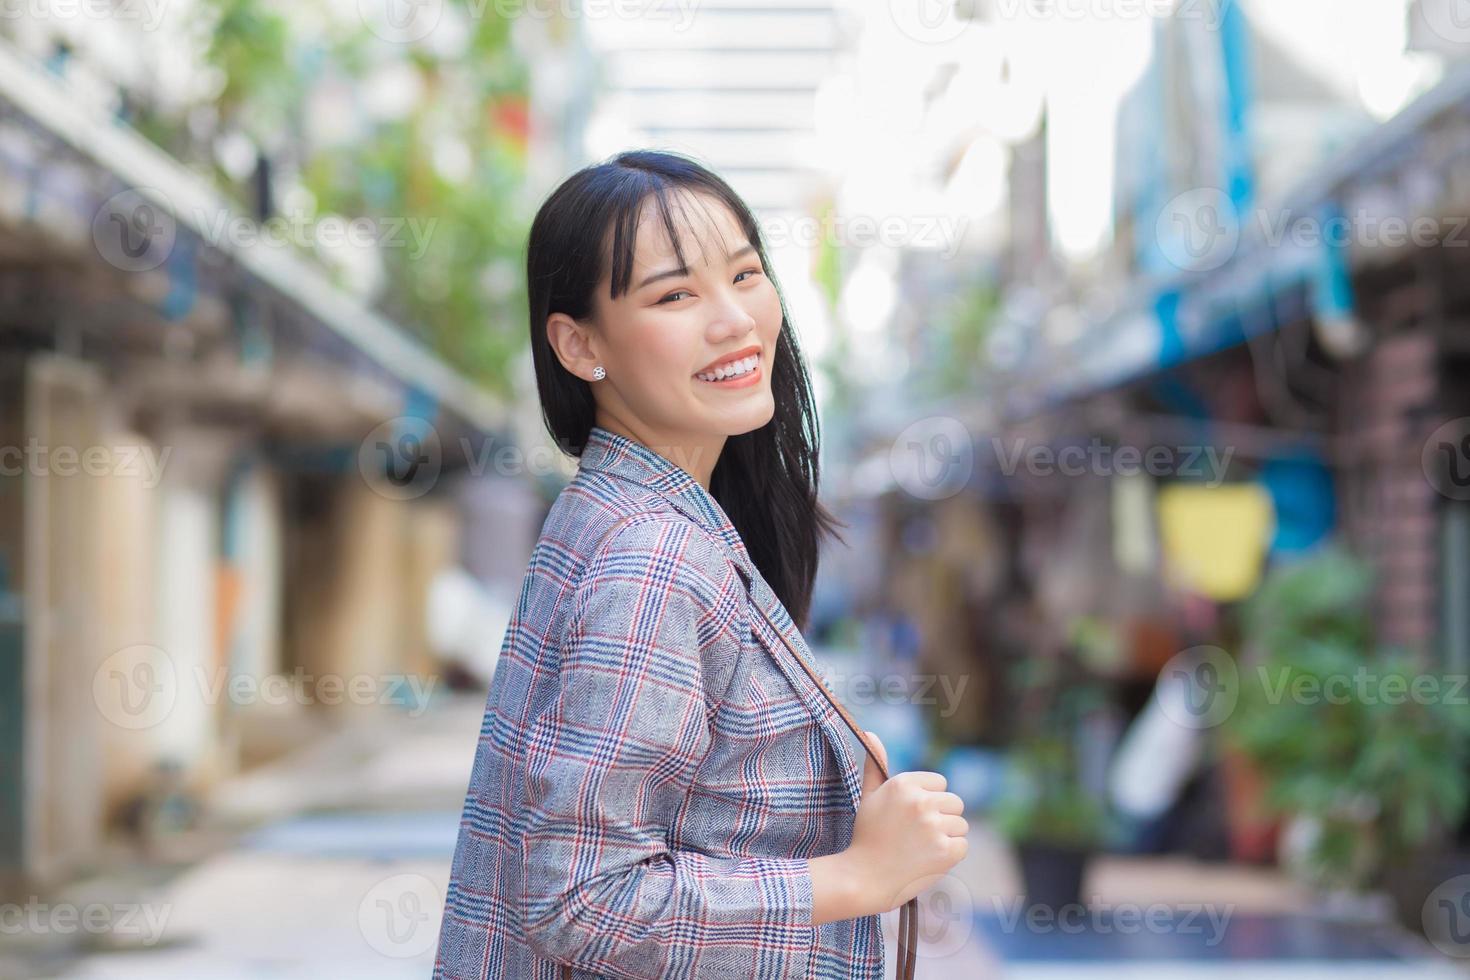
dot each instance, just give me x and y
(1267, 282)
(64, 166)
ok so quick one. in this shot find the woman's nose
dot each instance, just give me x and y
(731, 319)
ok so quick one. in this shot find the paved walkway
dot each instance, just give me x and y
(345, 872)
(1153, 919)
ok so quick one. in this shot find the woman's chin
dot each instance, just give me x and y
(737, 418)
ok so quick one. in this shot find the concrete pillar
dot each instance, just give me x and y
(62, 785)
(127, 539)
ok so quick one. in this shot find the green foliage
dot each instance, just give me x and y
(1322, 599)
(961, 329)
(827, 270)
(1366, 742)
(251, 45)
(460, 286)
(1044, 798)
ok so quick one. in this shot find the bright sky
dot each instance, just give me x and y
(1084, 61)
(918, 116)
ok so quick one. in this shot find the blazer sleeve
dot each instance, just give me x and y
(611, 761)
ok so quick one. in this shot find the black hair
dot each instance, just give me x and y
(766, 479)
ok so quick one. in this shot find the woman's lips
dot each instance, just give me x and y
(743, 381)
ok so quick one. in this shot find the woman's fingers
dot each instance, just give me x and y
(950, 803)
(872, 775)
(924, 779)
(954, 826)
(876, 744)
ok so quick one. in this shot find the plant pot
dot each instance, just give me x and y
(1411, 880)
(1253, 833)
(1051, 874)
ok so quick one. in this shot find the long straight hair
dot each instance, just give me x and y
(766, 479)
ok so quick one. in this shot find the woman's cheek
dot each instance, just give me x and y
(769, 316)
(658, 352)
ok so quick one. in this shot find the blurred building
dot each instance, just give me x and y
(734, 84)
(223, 501)
(1266, 358)
(1291, 299)
(1263, 357)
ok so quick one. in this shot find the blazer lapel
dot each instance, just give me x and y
(612, 453)
(782, 640)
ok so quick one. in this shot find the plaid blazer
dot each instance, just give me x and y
(653, 770)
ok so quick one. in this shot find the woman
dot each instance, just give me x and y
(660, 789)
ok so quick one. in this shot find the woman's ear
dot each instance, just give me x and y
(573, 344)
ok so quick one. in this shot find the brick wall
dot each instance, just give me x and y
(1390, 510)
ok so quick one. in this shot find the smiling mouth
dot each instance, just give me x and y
(745, 367)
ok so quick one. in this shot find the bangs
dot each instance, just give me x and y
(626, 209)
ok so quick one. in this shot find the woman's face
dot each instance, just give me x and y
(658, 340)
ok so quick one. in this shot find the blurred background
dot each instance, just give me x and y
(1141, 331)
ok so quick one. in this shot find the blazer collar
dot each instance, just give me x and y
(610, 452)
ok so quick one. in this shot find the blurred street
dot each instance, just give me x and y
(1139, 338)
(343, 867)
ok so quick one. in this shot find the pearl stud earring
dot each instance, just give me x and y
(598, 373)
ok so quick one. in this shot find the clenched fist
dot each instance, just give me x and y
(909, 831)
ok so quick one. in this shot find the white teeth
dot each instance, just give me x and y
(732, 370)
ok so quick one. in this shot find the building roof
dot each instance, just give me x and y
(191, 202)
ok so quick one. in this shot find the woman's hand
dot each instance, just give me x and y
(908, 832)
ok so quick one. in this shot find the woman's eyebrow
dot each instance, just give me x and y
(683, 270)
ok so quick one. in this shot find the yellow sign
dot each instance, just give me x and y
(1215, 538)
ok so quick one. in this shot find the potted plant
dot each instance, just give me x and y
(1046, 806)
(1055, 823)
(1361, 747)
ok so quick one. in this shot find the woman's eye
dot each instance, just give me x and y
(670, 297)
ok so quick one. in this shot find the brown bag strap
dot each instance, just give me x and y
(908, 916)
